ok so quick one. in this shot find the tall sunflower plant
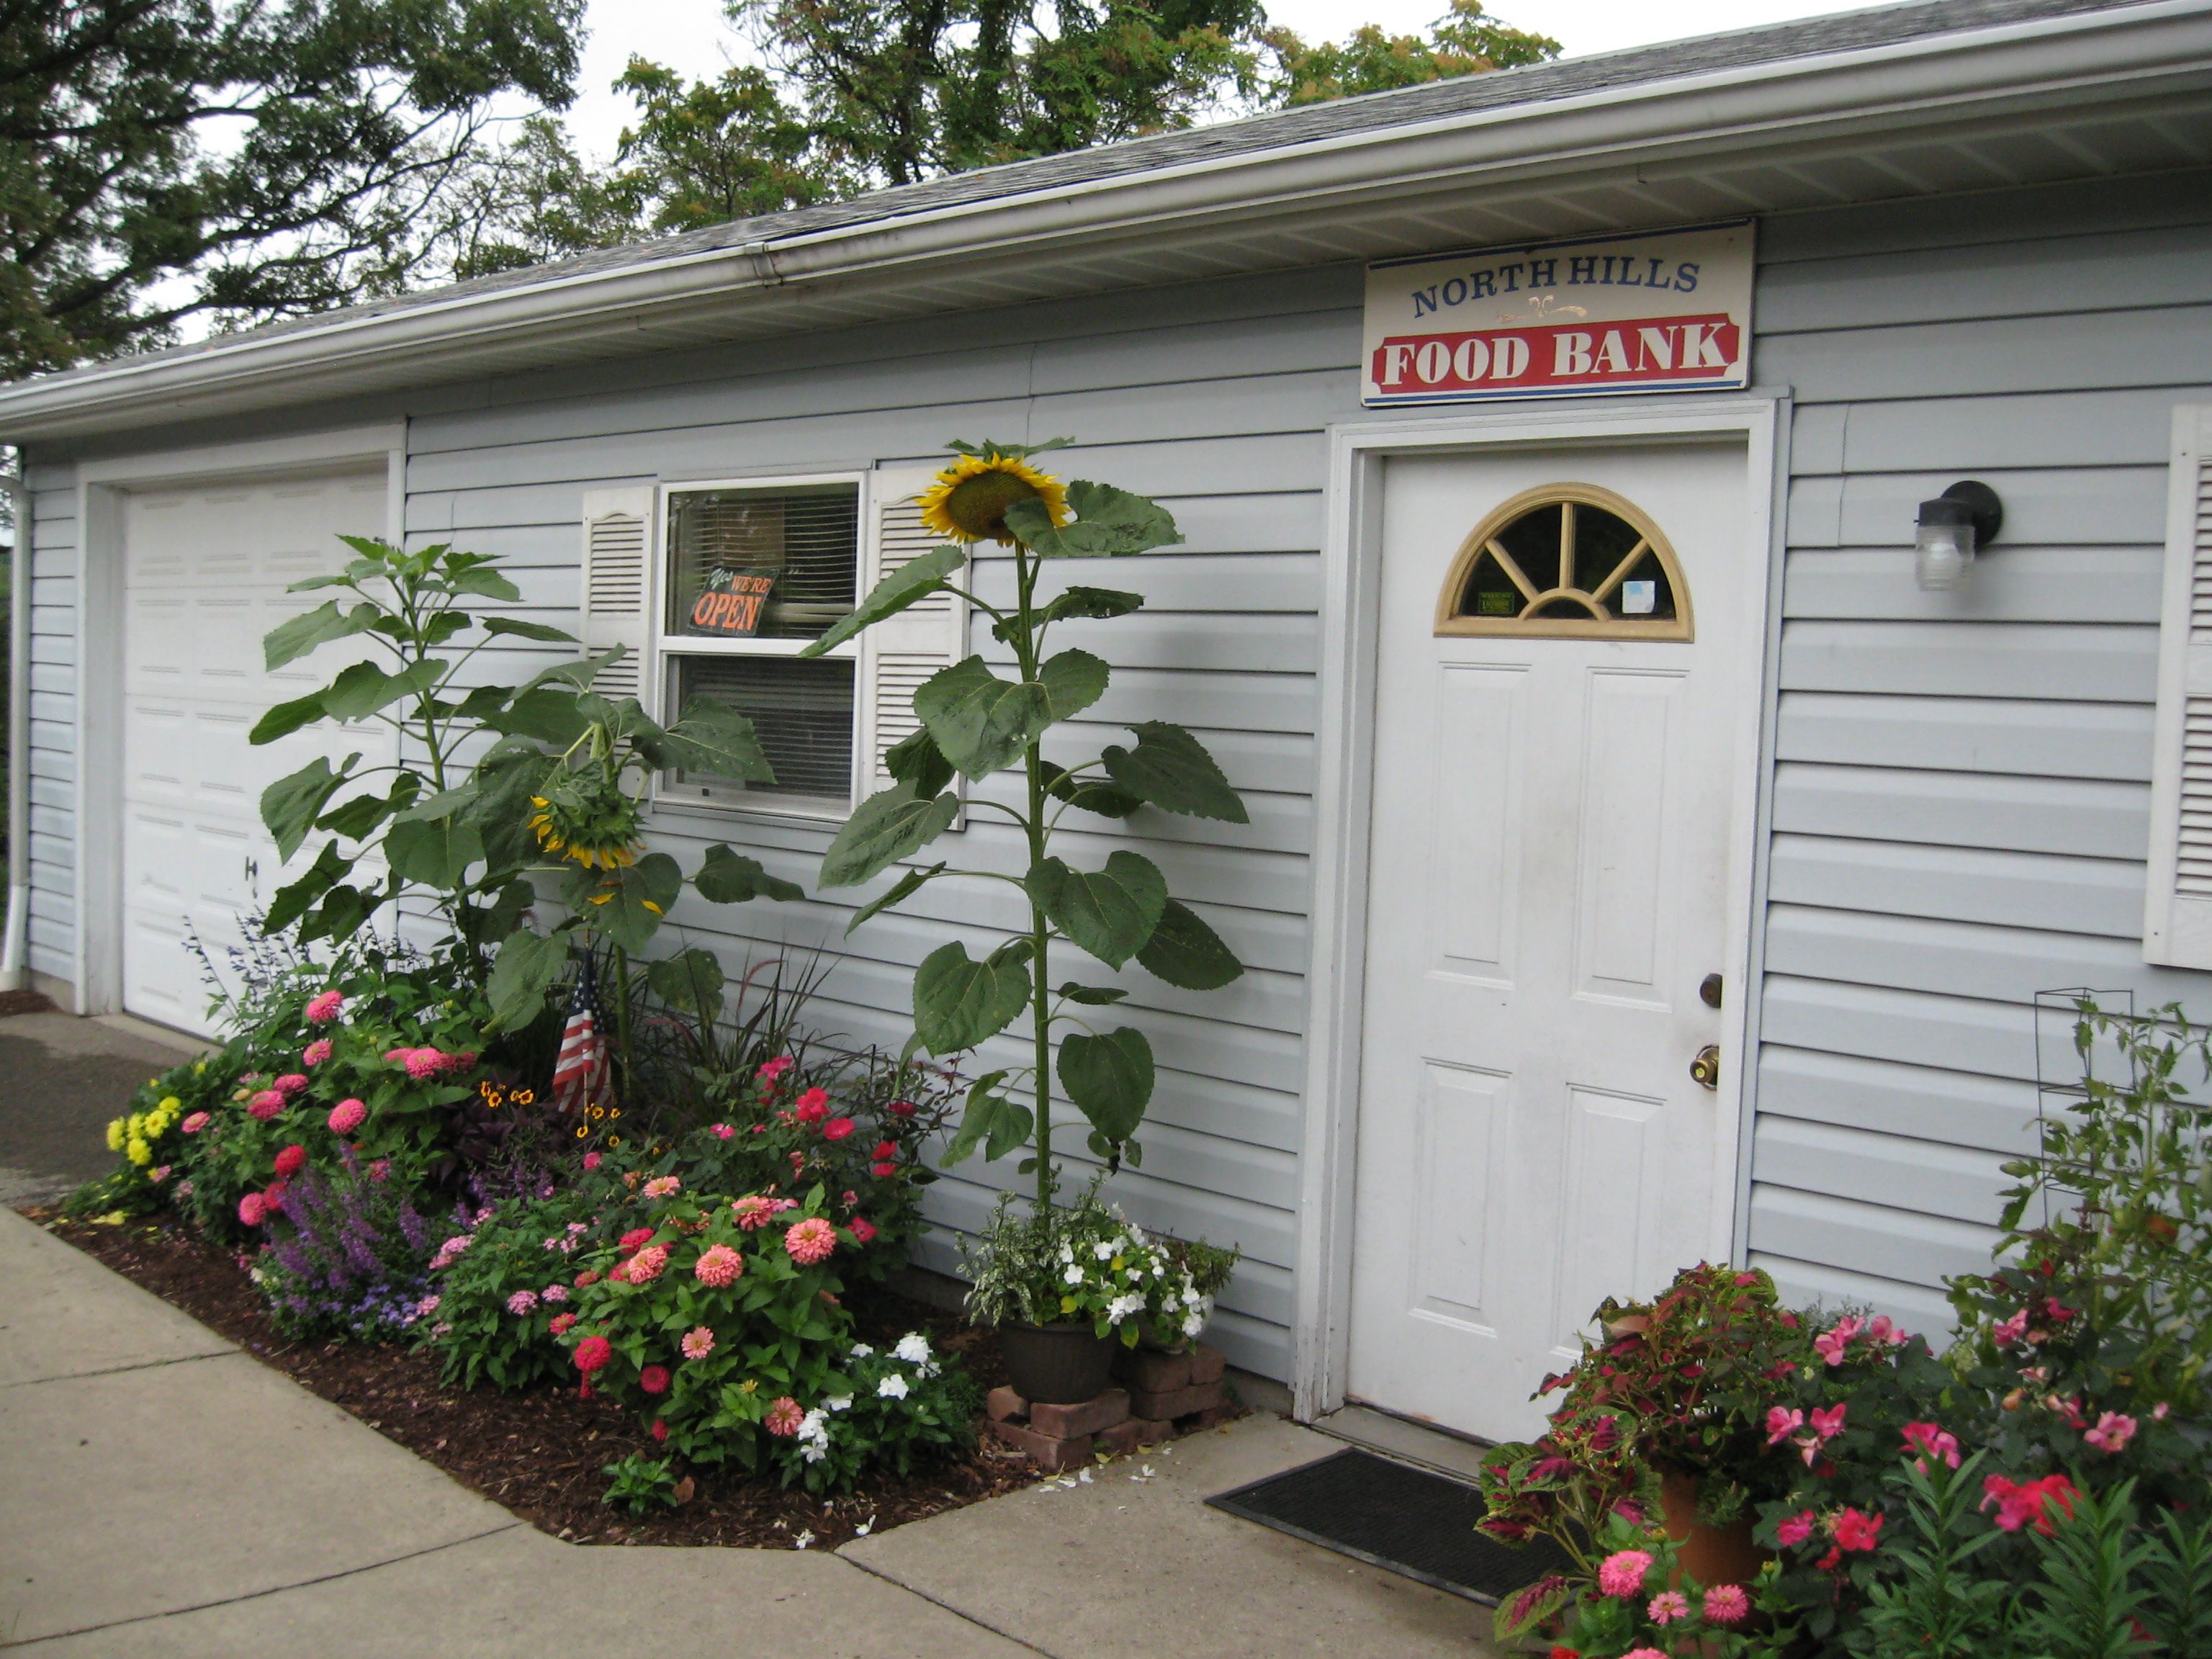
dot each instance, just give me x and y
(978, 722)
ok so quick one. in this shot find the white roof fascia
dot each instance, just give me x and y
(1925, 81)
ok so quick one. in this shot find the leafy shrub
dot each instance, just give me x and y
(903, 1406)
(641, 1483)
(497, 1288)
(347, 1253)
(1082, 1261)
(156, 1148)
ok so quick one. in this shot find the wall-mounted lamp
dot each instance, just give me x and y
(1965, 517)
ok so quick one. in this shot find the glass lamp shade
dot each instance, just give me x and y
(1943, 546)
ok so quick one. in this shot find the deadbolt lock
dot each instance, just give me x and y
(1706, 1068)
(1710, 991)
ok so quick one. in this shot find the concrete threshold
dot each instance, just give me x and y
(1436, 1450)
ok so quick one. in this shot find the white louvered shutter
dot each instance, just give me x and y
(618, 537)
(2178, 908)
(898, 654)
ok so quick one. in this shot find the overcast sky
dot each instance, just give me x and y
(692, 36)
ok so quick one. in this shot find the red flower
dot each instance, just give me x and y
(882, 1170)
(634, 1239)
(813, 1106)
(592, 1353)
(660, 1430)
(837, 1129)
(1560, 1650)
(863, 1228)
(902, 1108)
(2021, 1502)
(291, 1160)
(1855, 1531)
(887, 1149)
(1827, 1563)
(653, 1379)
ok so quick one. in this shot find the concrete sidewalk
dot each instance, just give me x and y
(162, 1493)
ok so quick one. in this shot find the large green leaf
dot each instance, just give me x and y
(547, 712)
(728, 878)
(445, 804)
(1073, 680)
(1110, 1077)
(290, 806)
(1094, 602)
(715, 740)
(628, 905)
(295, 898)
(980, 721)
(914, 580)
(435, 852)
(363, 689)
(889, 825)
(1092, 794)
(1110, 912)
(904, 888)
(1108, 522)
(291, 640)
(691, 979)
(990, 1121)
(355, 818)
(528, 630)
(528, 966)
(340, 914)
(483, 581)
(1184, 951)
(1170, 767)
(287, 718)
(959, 1002)
(916, 761)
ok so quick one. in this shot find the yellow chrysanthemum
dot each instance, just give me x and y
(968, 501)
(170, 1105)
(139, 1152)
(115, 1135)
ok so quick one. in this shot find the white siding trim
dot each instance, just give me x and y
(98, 966)
(2177, 893)
(1321, 1330)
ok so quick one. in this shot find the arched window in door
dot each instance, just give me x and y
(1566, 561)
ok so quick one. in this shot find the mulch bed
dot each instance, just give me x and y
(540, 1454)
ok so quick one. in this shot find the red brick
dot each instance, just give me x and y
(1151, 1371)
(1180, 1402)
(1207, 1363)
(1083, 1421)
(1042, 1450)
(1137, 1431)
(1005, 1403)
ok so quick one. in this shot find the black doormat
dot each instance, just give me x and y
(1392, 1515)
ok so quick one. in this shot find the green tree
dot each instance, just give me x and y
(1466, 40)
(162, 159)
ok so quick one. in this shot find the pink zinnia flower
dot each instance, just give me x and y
(698, 1342)
(754, 1213)
(635, 1240)
(653, 1379)
(837, 1129)
(813, 1106)
(1796, 1530)
(1727, 1604)
(317, 1052)
(1782, 1423)
(2113, 1432)
(1933, 1441)
(1622, 1572)
(1830, 1344)
(810, 1241)
(586, 1278)
(1855, 1531)
(863, 1230)
(265, 1105)
(290, 1083)
(251, 1212)
(659, 1428)
(193, 1124)
(1644, 1653)
(1669, 1606)
(784, 1417)
(662, 1186)
(592, 1353)
(645, 1266)
(522, 1302)
(347, 1116)
(590, 1160)
(423, 1064)
(272, 1199)
(562, 1322)
(2006, 1332)
(718, 1265)
(900, 1108)
(292, 1160)
(322, 1010)
(722, 1131)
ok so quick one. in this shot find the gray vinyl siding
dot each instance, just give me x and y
(1214, 397)
(53, 831)
(1961, 792)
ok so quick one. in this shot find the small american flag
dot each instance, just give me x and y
(580, 1075)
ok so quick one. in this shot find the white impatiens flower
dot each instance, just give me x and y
(1075, 1273)
(814, 1436)
(1193, 1325)
(1068, 1252)
(913, 1348)
(1103, 1251)
(1121, 1307)
(893, 1387)
(840, 1403)
(861, 1351)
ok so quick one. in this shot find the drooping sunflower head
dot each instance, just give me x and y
(968, 501)
(586, 822)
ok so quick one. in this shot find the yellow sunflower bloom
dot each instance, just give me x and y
(969, 501)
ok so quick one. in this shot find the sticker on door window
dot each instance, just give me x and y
(1567, 560)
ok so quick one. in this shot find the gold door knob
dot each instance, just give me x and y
(1706, 1068)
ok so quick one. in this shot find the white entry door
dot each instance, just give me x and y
(205, 571)
(1560, 735)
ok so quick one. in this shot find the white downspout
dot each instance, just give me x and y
(13, 964)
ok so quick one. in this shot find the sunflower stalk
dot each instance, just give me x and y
(976, 724)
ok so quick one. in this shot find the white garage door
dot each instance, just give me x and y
(204, 575)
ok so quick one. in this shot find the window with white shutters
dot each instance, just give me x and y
(2177, 909)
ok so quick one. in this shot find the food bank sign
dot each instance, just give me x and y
(1668, 311)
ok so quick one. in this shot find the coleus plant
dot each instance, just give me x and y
(976, 722)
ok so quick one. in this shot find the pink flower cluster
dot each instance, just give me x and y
(1783, 1424)
(323, 1009)
(772, 1073)
(1832, 1344)
(450, 1251)
(718, 1265)
(1931, 1440)
(424, 1064)
(522, 1302)
(2113, 1432)
(2028, 1502)
(755, 1211)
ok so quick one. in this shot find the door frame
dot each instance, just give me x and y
(1336, 976)
(102, 486)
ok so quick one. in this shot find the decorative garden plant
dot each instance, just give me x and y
(976, 722)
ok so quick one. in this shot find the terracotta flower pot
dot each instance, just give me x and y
(1061, 1365)
(1711, 1555)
